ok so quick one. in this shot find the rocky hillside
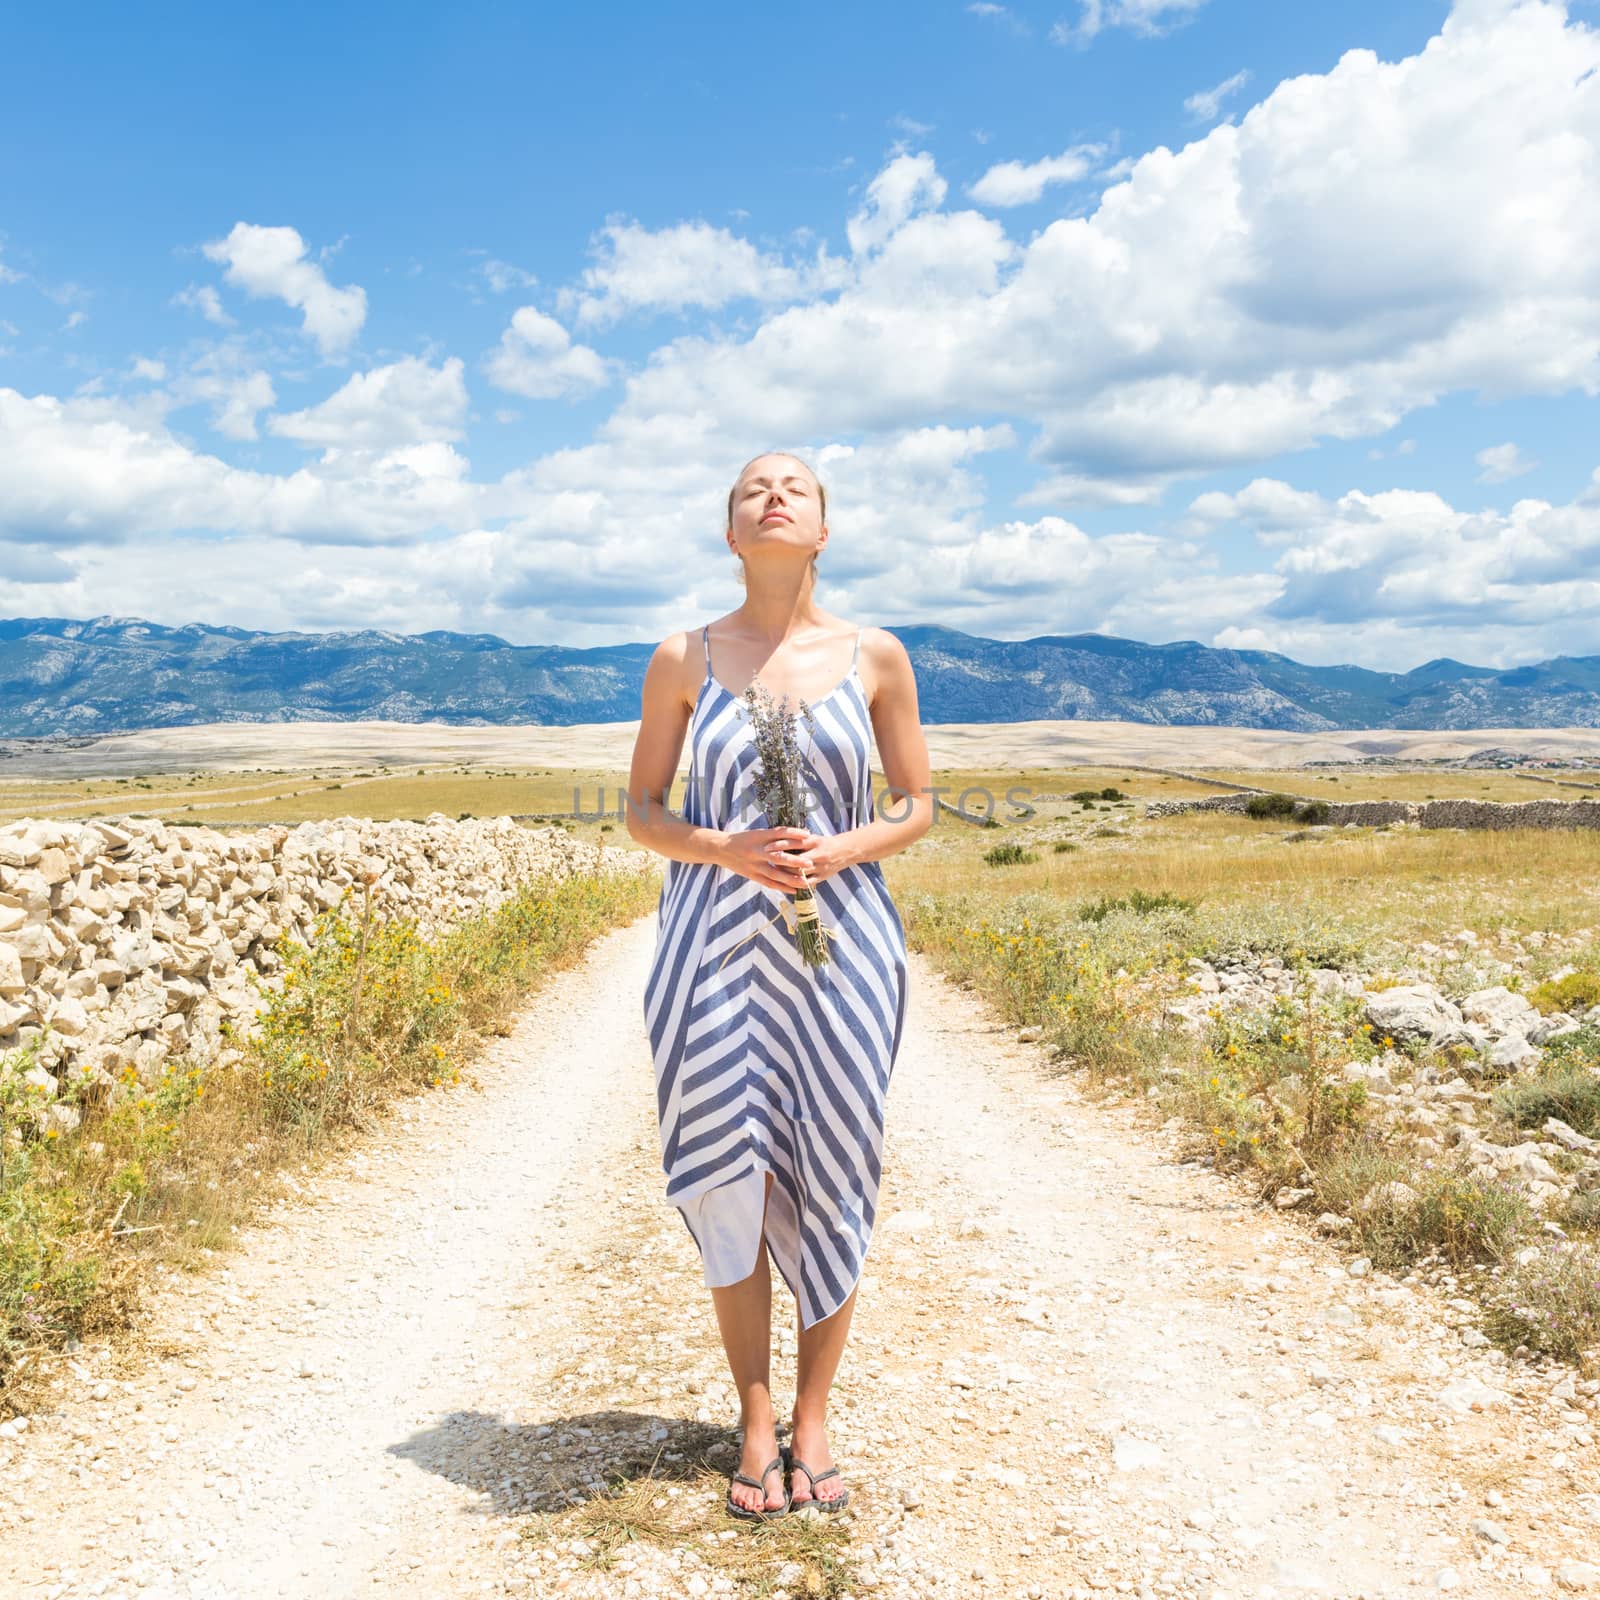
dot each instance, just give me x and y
(114, 674)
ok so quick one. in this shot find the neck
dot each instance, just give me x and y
(778, 604)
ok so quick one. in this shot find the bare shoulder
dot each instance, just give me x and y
(675, 665)
(885, 666)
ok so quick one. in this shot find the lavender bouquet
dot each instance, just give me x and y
(779, 785)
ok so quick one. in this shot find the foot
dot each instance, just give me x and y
(809, 1441)
(760, 1446)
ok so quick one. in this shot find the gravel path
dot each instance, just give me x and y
(1079, 1364)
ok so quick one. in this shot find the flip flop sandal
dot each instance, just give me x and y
(762, 1513)
(791, 1460)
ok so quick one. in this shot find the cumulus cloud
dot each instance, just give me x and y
(1406, 562)
(1501, 462)
(273, 263)
(235, 398)
(689, 265)
(1361, 244)
(408, 402)
(1206, 104)
(537, 358)
(1016, 183)
(86, 470)
(32, 564)
(907, 185)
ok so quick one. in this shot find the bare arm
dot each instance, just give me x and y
(906, 812)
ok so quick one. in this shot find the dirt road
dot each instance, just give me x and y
(1078, 1365)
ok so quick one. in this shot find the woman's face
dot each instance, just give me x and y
(776, 499)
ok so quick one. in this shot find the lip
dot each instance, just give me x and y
(771, 514)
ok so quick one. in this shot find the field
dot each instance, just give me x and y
(1086, 923)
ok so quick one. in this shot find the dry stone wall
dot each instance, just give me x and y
(1424, 813)
(125, 941)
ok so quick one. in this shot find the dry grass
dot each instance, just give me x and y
(807, 1556)
(1412, 883)
(1402, 783)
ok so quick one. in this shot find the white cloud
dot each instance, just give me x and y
(501, 276)
(689, 265)
(146, 370)
(537, 358)
(1074, 489)
(235, 398)
(405, 403)
(1013, 183)
(1361, 244)
(1146, 17)
(272, 262)
(202, 297)
(1502, 461)
(907, 185)
(1000, 14)
(1205, 104)
(74, 471)
(28, 564)
(1405, 564)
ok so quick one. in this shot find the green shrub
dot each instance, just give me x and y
(1137, 901)
(1085, 797)
(1008, 855)
(1064, 845)
(1312, 811)
(1562, 1089)
(1568, 993)
(1111, 793)
(1270, 805)
(1460, 1216)
(1550, 1304)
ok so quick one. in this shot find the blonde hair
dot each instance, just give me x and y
(822, 498)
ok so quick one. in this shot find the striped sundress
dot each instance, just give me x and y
(763, 1063)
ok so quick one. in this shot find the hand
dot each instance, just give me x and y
(816, 856)
(764, 856)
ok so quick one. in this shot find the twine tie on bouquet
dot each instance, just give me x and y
(793, 915)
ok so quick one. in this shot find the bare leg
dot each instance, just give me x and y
(744, 1316)
(821, 1346)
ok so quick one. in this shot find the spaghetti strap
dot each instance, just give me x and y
(705, 637)
(856, 654)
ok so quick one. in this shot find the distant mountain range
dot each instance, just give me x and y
(116, 674)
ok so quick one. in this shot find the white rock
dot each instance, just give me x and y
(1513, 1054)
(1500, 1009)
(1415, 1011)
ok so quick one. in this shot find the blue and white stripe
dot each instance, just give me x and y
(764, 1063)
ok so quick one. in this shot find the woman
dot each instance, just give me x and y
(771, 1074)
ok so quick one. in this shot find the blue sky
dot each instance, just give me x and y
(1264, 325)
